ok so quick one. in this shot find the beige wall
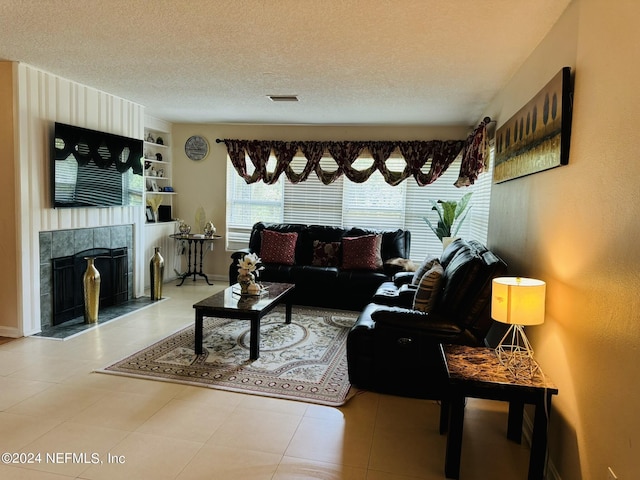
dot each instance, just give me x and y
(203, 183)
(9, 313)
(577, 228)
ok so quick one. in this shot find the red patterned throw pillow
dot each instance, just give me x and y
(325, 254)
(278, 247)
(362, 253)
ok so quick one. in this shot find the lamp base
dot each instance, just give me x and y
(515, 353)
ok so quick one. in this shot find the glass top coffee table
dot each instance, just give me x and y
(230, 304)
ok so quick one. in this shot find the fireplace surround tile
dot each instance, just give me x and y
(45, 247)
(102, 238)
(62, 243)
(83, 239)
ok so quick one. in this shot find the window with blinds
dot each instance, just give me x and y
(312, 202)
(372, 204)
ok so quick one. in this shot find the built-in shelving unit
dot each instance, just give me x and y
(157, 176)
(157, 163)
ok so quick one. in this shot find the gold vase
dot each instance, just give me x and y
(91, 286)
(156, 270)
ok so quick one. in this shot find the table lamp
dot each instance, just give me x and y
(518, 302)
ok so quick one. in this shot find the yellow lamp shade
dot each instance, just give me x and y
(518, 301)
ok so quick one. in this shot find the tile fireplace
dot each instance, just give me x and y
(62, 265)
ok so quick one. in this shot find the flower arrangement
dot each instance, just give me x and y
(248, 268)
(448, 212)
(250, 263)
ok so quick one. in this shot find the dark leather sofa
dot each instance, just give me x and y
(394, 349)
(330, 287)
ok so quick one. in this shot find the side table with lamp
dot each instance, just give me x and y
(508, 373)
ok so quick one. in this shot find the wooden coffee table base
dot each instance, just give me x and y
(228, 304)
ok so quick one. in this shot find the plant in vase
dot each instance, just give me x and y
(248, 268)
(451, 215)
(154, 202)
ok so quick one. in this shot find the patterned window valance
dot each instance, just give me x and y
(437, 153)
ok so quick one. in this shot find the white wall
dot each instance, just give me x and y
(42, 99)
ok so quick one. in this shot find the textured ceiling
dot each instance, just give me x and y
(365, 62)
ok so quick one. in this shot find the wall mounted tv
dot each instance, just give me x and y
(95, 169)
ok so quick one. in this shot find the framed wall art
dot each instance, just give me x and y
(537, 137)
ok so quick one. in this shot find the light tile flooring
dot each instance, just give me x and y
(52, 405)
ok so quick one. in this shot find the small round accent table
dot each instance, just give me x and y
(195, 240)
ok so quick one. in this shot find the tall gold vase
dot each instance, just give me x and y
(91, 285)
(156, 270)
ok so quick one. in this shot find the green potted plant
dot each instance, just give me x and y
(451, 215)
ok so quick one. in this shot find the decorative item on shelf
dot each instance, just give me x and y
(147, 165)
(451, 215)
(209, 229)
(247, 267)
(518, 302)
(159, 157)
(159, 141)
(91, 288)
(150, 138)
(156, 270)
(149, 214)
(154, 202)
(161, 172)
(164, 213)
(168, 189)
(184, 228)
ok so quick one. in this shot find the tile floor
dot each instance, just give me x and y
(88, 425)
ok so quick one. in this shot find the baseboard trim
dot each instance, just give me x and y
(10, 332)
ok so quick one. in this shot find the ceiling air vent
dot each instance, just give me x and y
(283, 98)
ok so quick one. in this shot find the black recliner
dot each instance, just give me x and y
(394, 349)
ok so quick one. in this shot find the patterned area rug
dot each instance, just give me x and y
(305, 360)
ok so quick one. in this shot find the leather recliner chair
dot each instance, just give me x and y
(395, 349)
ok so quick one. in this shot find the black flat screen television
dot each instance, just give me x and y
(95, 169)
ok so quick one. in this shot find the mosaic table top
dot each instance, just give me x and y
(481, 365)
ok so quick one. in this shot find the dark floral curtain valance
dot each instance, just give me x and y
(437, 154)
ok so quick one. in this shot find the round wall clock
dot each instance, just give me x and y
(196, 147)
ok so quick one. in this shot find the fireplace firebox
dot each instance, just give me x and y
(67, 284)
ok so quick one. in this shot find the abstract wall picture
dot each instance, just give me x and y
(537, 137)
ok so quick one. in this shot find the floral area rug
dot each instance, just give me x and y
(305, 360)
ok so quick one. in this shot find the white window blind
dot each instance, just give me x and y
(372, 204)
(312, 202)
(248, 204)
(478, 217)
